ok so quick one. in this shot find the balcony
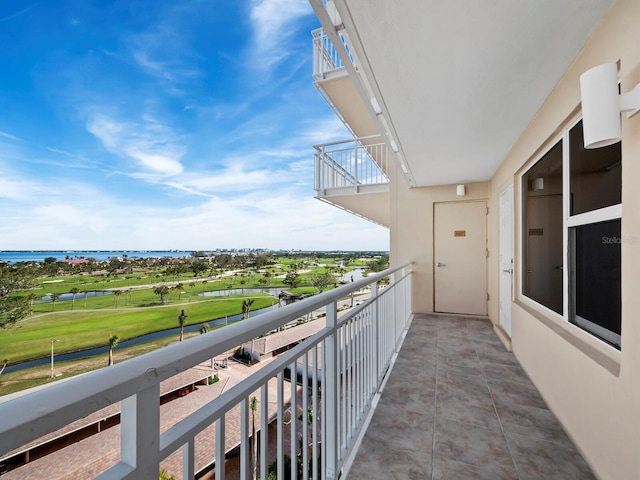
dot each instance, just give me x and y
(353, 176)
(315, 419)
(326, 60)
(388, 394)
(332, 80)
(458, 406)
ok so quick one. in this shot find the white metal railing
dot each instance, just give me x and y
(325, 56)
(351, 163)
(335, 375)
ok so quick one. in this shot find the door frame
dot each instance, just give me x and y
(506, 326)
(484, 202)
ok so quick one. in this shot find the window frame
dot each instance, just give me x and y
(613, 212)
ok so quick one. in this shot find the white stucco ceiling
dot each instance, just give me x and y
(460, 80)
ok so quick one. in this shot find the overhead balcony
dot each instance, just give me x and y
(332, 80)
(353, 175)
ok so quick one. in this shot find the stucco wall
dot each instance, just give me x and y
(412, 230)
(592, 388)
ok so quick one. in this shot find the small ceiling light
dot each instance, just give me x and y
(537, 184)
(460, 191)
(376, 106)
(394, 145)
(602, 104)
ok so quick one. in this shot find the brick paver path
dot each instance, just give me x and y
(92, 456)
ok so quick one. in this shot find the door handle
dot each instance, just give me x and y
(438, 264)
(508, 271)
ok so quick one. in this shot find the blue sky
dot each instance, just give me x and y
(164, 124)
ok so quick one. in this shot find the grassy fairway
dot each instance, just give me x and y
(82, 329)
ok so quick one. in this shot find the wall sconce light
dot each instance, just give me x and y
(602, 104)
(460, 191)
(537, 184)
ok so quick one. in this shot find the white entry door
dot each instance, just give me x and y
(506, 257)
(460, 258)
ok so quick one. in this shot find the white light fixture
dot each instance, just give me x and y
(537, 184)
(394, 145)
(460, 191)
(602, 104)
(376, 106)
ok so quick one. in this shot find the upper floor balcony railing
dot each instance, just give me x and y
(325, 56)
(338, 372)
(354, 163)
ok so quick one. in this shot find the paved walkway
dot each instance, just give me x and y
(92, 456)
(457, 405)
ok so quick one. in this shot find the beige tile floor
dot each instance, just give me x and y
(457, 405)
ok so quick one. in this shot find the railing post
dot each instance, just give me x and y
(188, 460)
(140, 432)
(355, 165)
(332, 377)
(376, 321)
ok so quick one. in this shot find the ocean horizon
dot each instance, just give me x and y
(14, 256)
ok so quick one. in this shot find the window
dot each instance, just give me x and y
(591, 229)
(594, 237)
(543, 230)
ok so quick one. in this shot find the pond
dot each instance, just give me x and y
(69, 296)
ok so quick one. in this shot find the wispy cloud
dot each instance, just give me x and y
(9, 136)
(272, 22)
(17, 190)
(17, 14)
(155, 147)
(79, 161)
(163, 51)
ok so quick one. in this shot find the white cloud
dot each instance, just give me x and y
(8, 135)
(272, 25)
(163, 51)
(17, 14)
(154, 146)
(17, 190)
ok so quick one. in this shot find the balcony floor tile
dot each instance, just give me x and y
(458, 405)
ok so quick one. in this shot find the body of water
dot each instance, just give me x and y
(14, 256)
(90, 352)
(275, 291)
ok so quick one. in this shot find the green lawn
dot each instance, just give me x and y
(82, 329)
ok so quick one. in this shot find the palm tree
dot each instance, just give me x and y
(246, 307)
(182, 320)
(113, 343)
(116, 296)
(204, 328)
(180, 288)
(204, 283)
(54, 299)
(85, 292)
(74, 291)
(253, 405)
(162, 291)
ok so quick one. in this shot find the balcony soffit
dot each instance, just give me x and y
(461, 80)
